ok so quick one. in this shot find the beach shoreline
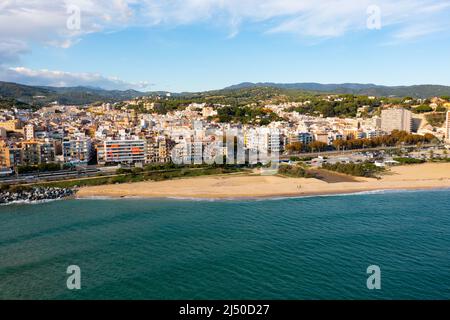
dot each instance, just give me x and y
(265, 197)
(413, 177)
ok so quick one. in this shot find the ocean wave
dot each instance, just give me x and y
(358, 193)
(28, 202)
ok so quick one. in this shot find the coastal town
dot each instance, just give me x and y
(213, 158)
(67, 142)
(117, 134)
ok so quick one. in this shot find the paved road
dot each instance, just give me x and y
(331, 153)
(51, 176)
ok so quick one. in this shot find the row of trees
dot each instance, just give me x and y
(395, 138)
(391, 140)
(315, 146)
(43, 167)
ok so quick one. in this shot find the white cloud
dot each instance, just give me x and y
(66, 79)
(417, 31)
(45, 21)
(10, 50)
(304, 18)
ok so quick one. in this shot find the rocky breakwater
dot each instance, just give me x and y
(32, 194)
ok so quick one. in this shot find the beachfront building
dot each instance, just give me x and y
(5, 159)
(47, 151)
(267, 140)
(184, 152)
(129, 151)
(396, 119)
(157, 150)
(31, 153)
(78, 150)
(262, 143)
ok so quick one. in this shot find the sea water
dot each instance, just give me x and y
(298, 248)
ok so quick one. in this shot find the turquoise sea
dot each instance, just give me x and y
(303, 248)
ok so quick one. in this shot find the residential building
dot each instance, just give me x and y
(77, 150)
(156, 150)
(12, 125)
(302, 137)
(31, 153)
(5, 159)
(122, 151)
(28, 132)
(47, 151)
(321, 137)
(396, 119)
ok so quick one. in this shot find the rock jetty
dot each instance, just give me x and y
(34, 194)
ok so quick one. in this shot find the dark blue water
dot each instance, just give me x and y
(309, 248)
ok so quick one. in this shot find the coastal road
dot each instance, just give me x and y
(342, 152)
(50, 176)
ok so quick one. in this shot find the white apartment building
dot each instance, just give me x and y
(122, 151)
(263, 139)
(396, 119)
(28, 132)
(187, 151)
(373, 133)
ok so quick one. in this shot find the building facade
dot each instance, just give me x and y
(77, 150)
(396, 119)
(122, 151)
(5, 158)
(28, 132)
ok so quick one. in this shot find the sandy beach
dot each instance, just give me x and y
(422, 176)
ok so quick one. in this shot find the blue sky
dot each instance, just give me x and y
(205, 45)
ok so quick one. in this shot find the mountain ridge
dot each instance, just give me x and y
(38, 96)
(416, 91)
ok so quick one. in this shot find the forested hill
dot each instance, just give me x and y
(23, 96)
(416, 91)
(39, 96)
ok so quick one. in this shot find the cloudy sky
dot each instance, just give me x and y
(190, 45)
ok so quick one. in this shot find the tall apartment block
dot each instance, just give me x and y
(122, 151)
(396, 119)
